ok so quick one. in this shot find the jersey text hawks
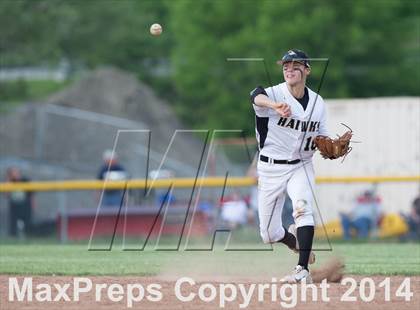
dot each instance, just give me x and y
(296, 124)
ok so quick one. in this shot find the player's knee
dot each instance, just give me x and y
(265, 237)
(271, 236)
(302, 213)
(305, 220)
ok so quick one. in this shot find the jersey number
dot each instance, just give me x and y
(309, 144)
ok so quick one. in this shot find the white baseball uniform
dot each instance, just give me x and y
(287, 138)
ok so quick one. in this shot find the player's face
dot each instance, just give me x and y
(295, 73)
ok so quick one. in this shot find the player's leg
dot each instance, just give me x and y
(299, 189)
(346, 226)
(13, 218)
(27, 219)
(271, 196)
(362, 225)
(289, 238)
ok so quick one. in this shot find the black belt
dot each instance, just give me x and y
(278, 161)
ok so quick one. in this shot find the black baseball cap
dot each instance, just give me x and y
(297, 56)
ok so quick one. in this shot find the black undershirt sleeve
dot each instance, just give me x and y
(257, 91)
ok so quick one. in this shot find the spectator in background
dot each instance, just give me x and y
(111, 170)
(234, 211)
(20, 205)
(413, 221)
(363, 218)
(163, 196)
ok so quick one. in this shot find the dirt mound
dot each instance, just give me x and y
(118, 93)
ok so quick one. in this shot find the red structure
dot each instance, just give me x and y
(134, 221)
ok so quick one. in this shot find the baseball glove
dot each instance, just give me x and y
(334, 148)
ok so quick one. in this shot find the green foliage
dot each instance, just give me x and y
(13, 90)
(373, 46)
(28, 90)
(90, 33)
(26, 33)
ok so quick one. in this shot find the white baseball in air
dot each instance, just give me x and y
(156, 29)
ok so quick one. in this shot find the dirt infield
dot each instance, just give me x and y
(169, 299)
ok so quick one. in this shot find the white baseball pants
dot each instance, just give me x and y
(273, 182)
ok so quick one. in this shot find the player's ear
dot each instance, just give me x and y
(308, 70)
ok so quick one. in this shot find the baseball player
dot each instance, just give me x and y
(289, 116)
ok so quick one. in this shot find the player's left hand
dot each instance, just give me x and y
(283, 109)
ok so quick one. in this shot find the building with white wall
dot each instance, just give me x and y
(389, 132)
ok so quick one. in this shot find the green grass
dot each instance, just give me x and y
(41, 89)
(75, 259)
(16, 92)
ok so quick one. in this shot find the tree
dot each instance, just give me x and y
(373, 46)
(370, 54)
